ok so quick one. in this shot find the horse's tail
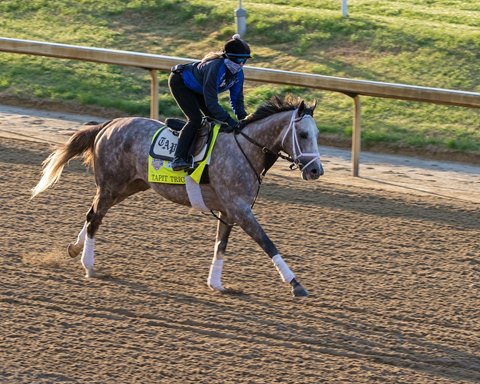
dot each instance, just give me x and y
(81, 142)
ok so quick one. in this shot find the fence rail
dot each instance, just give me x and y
(353, 88)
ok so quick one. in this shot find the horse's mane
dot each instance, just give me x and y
(272, 106)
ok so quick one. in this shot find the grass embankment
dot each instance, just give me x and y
(427, 43)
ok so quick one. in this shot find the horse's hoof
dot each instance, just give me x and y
(72, 252)
(89, 272)
(216, 288)
(298, 290)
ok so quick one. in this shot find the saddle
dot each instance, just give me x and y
(165, 142)
(202, 137)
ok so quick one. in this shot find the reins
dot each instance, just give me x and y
(264, 150)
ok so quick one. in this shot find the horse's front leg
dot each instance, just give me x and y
(247, 221)
(216, 268)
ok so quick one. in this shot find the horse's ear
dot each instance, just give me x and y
(310, 110)
(301, 108)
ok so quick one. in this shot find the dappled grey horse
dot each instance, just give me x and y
(118, 153)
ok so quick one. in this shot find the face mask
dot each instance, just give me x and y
(232, 67)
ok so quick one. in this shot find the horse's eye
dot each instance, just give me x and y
(303, 135)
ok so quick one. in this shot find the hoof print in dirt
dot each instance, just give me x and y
(232, 291)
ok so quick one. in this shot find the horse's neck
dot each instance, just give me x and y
(269, 131)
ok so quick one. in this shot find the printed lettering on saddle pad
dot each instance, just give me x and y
(159, 163)
(164, 144)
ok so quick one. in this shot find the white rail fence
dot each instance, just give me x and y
(352, 88)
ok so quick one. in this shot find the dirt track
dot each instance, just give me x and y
(394, 281)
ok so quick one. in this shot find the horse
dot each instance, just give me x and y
(117, 151)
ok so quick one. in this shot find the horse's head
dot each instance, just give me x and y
(300, 141)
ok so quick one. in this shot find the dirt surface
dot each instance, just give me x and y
(392, 262)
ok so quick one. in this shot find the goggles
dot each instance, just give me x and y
(239, 60)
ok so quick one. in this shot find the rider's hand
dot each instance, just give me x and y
(239, 126)
(231, 122)
(235, 125)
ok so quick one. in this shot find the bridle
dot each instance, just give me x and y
(297, 151)
(272, 156)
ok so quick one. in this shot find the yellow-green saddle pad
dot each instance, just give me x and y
(160, 171)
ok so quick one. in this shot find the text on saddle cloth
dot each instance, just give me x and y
(160, 158)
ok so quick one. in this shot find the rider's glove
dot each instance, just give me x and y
(239, 126)
(231, 122)
(236, 126)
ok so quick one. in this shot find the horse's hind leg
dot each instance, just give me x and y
(100, 206)
(223, 232)
(74, 249)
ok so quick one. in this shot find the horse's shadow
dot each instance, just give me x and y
(325, 196)
(336, 331)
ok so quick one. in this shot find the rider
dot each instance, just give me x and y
(196, 86)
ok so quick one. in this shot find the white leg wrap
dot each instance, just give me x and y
(282, 268)
(215, 276)
(88, 254)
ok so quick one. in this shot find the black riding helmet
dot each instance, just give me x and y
(236, 48)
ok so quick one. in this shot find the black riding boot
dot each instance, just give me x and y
(180, 164)
(181, 159)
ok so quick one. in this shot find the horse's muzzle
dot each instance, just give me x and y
(312, 171)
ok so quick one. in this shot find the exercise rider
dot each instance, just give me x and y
(196, 86)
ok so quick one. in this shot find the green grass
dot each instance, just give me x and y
(428, 43)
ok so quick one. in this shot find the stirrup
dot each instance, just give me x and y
(184, 165)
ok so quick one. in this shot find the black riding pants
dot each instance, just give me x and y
(193, 106)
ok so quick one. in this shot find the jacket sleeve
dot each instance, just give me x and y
(236, 97)
(213, 72)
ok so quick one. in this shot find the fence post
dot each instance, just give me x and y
(154, 94)
(241, 19)
(356, 135)
(344, 8)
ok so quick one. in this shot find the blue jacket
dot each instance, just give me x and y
(211, 78)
